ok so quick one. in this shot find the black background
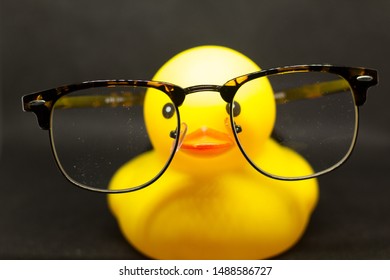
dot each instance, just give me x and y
(46, 43)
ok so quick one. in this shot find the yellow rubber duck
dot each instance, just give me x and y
(210, 203)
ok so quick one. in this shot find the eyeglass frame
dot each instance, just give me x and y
(41, 103)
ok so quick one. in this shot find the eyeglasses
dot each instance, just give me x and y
(278, 119)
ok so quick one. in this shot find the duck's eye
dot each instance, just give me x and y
(168, 110)
(236, 108)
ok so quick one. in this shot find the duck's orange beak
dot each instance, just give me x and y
(206, 141)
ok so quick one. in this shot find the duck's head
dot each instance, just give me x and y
(206, 130)
(210, 203)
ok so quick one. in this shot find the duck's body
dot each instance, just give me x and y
(211, 203)
(237, 214)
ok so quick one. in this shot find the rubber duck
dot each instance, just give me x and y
(210, 203)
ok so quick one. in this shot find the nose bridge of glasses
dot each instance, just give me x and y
(200, 88)
(225, 92)
(205, 96)
(204, 109)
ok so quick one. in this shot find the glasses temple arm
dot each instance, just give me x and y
(311, 91)
(101, 100)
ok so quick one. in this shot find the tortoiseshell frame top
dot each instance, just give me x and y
(359, 80)
(41, 103)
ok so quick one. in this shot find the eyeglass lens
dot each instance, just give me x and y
(96, 132)
(314, 128)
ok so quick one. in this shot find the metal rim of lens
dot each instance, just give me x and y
(304, 177)
(108, 191)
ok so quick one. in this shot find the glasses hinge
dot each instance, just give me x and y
(33, 104)
(365, 78)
